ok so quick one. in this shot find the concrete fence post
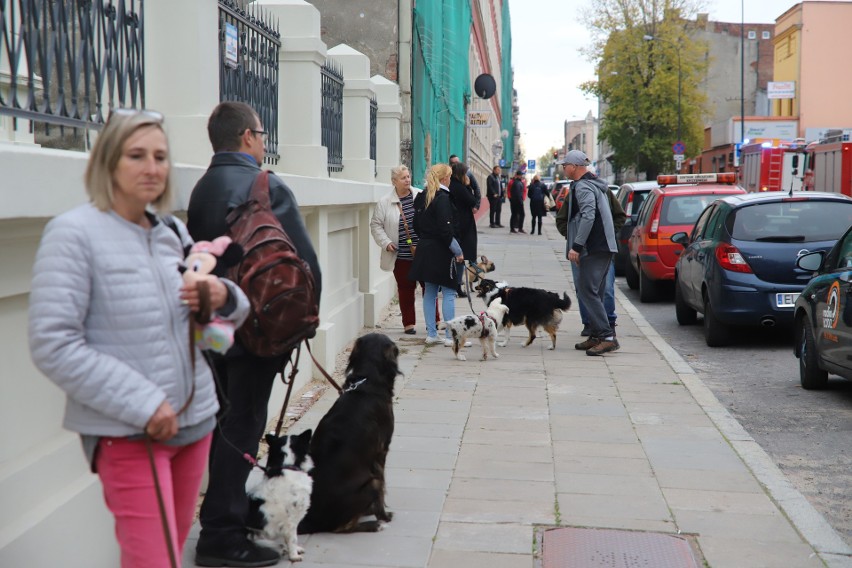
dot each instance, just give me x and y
(387, 128)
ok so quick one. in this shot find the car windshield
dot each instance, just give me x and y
(684, 209)
(791, 221)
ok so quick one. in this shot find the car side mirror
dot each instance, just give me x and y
(681, 238)
(811, 261)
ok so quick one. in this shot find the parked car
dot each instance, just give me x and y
(823, 315)
(672, 207)
(738, 266)
(631, 196)
(613, 188)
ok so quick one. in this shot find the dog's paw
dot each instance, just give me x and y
(297, 556)
(551, 348)
(461, 357)
(503, 344)
(495, 355)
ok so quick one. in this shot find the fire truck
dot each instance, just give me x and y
(829, 166)
(771, 165)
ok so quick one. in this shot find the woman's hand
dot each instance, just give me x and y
(391, 247)
(163, 425)
(218, 293)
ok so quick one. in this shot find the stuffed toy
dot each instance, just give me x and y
(216, 257)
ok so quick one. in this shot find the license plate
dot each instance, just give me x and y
(785, 300)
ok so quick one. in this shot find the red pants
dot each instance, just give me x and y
(405, 289)
(125, 473)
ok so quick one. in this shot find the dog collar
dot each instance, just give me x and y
(355, 385)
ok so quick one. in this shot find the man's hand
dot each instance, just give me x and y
(574, 256)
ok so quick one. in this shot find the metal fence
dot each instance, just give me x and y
(374, 114)
(248, 64)
(332, 115)
(66, 62)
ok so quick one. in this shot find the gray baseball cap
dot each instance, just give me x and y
(575, 157)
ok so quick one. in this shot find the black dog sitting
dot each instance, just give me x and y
(351, 442)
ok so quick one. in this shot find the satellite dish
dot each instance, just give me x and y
(485, 86)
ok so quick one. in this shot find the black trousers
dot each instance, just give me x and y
(247, 382)
(516, 222)
(495, 208)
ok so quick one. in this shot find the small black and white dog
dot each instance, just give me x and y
(532, 307)
(485, 327)
(351, 443)
(280, 501)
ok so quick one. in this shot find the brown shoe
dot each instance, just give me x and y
(604, 346)
(587, 344)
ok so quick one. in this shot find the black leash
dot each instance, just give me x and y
(468, 288)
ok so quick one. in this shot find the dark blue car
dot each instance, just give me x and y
(738, 266)
(824, 316)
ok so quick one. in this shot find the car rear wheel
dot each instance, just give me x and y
(630, 274)
(647, 288)
(715, 332)
(685, 314)
(810, 375)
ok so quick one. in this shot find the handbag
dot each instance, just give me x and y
(407, 234)
(549, 204)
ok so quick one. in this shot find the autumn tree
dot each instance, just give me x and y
(546, 159)
(641, 49)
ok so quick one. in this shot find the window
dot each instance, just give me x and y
(752, 34)
(698, 231)
(765, 35)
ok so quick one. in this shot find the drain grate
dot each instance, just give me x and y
(609, 548)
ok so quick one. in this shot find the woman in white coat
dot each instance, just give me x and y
(392, 226)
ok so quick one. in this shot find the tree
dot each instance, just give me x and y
(638, 80)
(546, 159)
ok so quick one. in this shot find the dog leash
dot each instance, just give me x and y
(468, 289)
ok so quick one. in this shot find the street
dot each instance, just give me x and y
(807, 433)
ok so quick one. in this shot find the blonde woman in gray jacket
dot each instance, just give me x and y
(109, 324)
(388, 226)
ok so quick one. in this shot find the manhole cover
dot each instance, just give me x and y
(606, 548)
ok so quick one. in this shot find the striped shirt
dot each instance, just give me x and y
(403, 247)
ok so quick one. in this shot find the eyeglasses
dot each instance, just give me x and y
(152, 114)
(262, 133)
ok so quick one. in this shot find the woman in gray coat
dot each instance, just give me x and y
(109, 324)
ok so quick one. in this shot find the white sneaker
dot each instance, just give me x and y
(431, 340)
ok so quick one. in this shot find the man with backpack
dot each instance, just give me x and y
(245, 378)
(587, 222)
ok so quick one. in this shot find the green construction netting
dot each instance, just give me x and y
(507, 81)
(441, 84)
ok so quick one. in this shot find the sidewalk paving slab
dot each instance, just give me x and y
(486, 452)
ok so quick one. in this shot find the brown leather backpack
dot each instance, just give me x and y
(279, 284)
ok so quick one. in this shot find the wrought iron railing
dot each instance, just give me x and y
(248, 64)
(66, 62)
(374, 115)
(332, 115)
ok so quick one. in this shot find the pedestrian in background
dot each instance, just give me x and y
(464, 204)
(474, 185)
(495, 194)
(109, 318)
(439, 256)
(392, 227)
(517, 194)
(238, 140)
(537, 209)
(587, 222)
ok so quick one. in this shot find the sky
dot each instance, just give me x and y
(546, 38)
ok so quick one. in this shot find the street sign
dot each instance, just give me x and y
(231, 45)
(531, 165)
(678, 147)
(502, 163)
(678, 157)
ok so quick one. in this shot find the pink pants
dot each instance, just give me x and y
(125, 473)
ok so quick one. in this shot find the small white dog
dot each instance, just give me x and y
(485, 327)
(282, 498)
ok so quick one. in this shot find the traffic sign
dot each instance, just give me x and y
(679, 147)
(530, 164)
(502, 163)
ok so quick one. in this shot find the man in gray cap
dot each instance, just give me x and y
(587, 223)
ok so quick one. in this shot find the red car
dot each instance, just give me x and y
(670, 208)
